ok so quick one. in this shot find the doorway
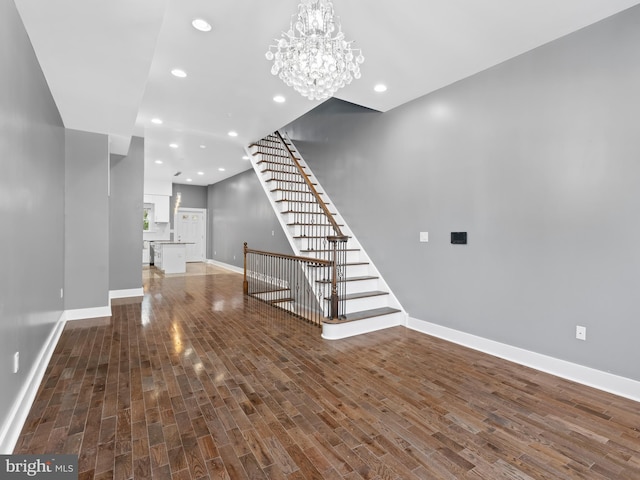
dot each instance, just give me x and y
(190, 226)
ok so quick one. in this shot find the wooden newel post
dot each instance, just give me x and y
(335, 298)
(245, 284)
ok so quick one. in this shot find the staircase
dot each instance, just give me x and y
(315, 229)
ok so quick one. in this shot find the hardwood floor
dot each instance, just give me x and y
(198, 382)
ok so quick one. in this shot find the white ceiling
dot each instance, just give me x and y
(108, 64)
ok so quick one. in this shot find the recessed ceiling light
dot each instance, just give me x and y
(200, 173)
(245, 157)
(176, 72)
(173, 145)
(221, 169)
(159, 162)
(157, 121)
(233, 134)
(279, 99)
(203, 146)
(189, 180)
(202, 25)
(380, 88)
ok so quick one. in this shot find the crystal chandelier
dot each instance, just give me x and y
(313, 57)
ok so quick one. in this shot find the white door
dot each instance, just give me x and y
(190, 227)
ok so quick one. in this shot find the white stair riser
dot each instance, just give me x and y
(352, 256)
(280, 195)
(304, 218)
(360, 286)
(351, 271)
(367, 303)
(298, 230)
(351, 329)
(321, 273)
(295, 177)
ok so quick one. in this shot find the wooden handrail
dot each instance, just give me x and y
(334, 298)
(318, 261)
(277, 258)
(315, 193)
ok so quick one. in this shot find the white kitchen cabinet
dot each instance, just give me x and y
(170, 257)
(146, 254)
(160, 207)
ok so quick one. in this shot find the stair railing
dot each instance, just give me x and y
(337, 241)
(317, 227)
(312, 189)
(281, 281)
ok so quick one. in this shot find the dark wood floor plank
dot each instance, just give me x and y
(199, 382)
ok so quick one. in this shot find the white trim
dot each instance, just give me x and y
(10, 431)
(608, 382)
(337, 331)
(233, 268)
(82, 313)
(126, 293)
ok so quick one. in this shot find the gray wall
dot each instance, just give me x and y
(537, 159)
(86, 282)
(238, 212)
(192, 196)
(31, 209)
(125, 218)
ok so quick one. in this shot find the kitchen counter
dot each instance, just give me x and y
(168, 242)
(170, 257)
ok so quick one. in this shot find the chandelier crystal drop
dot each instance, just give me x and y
(313, 57)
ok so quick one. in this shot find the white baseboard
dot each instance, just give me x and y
(10, 431)
(608, 382)
(233, 268)
(337, 331)
(127, 293)
(82, 313)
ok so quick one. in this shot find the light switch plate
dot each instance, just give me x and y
(424, 236)
(581, 332)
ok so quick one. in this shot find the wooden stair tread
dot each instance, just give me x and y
(274, 147)
(298, 201)
(288, 164)
(328, 250)
(302, 237)
(352, 317)
(307, 213)
(294, 224)
(262, 292)
(272, 171)
(289, 190)
(287, 181)
(351, 279)
(270, 154)
(294, 172)
(349, 264)
(280, 300)
(353, 296)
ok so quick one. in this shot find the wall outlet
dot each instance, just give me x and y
(581, 332)
(62, 293)
(424, 237)
(273, 233)
(16, 362)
